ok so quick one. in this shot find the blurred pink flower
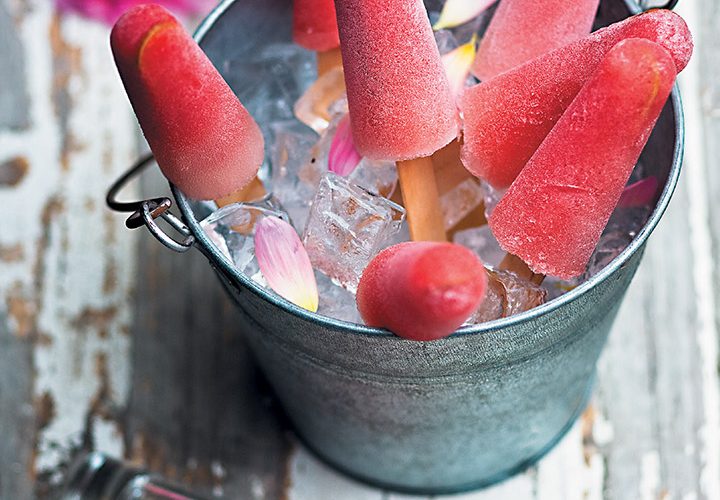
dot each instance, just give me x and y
(108, 11)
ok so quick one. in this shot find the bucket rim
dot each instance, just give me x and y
(225, 266)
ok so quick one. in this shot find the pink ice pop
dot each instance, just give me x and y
(204, 140)
(506, 118)
(315, 24)
(421, 290)
(401, 105)
(554, 213)
(521, 30)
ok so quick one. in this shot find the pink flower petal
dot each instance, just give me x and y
(284, 262)
(108, 11)
(343, 157)
(639, 193)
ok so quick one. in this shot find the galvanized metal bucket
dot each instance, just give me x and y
(444, 416)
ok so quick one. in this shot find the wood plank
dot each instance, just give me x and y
(18, 417)
(66, 269)
(200, 411)
(14, 104)
(658, 383)
(702, 104)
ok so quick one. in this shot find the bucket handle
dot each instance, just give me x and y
(145, 212)
(647, 5)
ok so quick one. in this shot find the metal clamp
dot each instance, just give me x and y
(145, 212)
(648, 4)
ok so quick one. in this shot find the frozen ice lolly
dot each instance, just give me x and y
(315, 28)
(401, 104)
(554, 213)
(203, 139)
(507, 118)
(421, 290)
(521, 30)
(315, 24)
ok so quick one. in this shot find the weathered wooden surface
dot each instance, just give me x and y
(109, 341)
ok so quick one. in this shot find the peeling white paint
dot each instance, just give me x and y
(74, 265)
(108, 437)
(311, 479)
(564, 474)
(650, 476)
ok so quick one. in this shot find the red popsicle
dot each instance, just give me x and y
(204, 140)
(401, 104)
(421, 290)
(315, 24)
(522, 30)
(315, 28)
(554, 213)
(507, 118)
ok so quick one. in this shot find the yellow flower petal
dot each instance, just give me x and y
(457, 65)
(457, 12)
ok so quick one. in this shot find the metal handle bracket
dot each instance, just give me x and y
(145, 212)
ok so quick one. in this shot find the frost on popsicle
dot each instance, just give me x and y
(284, 263)
(457, 12)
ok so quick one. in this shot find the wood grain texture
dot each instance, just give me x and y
(65, 269)
(14, 104)
(109, 341)
(200, 411)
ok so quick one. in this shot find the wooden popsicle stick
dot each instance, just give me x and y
(516, 265)
(420, 196)
(328, 60)
(449, 172)
(253, 191)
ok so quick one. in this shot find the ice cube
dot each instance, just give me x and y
(481, 241)
(294, 175)
(232, 229)
(270, 80)
(623, 226)
(491, 197)
(377, 176)
(462, 199)
(507, 294)
(324, 98)
(556, 287)
(335, 301)
(347, 226)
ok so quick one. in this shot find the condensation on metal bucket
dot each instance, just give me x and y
(95, 476)
(435, 417)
